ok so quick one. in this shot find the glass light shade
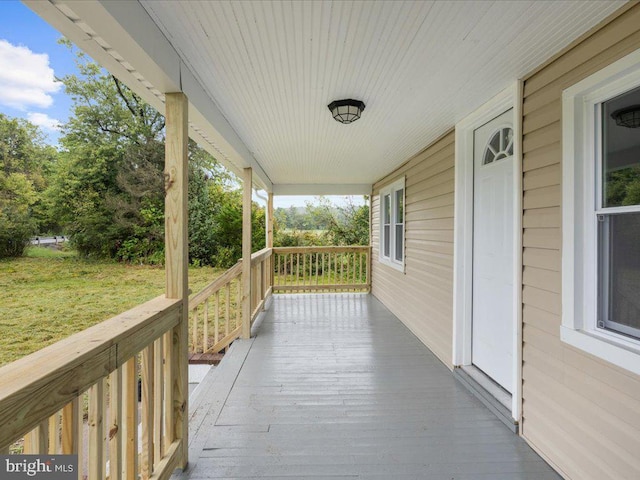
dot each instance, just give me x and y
(627, 117)
(346, 111)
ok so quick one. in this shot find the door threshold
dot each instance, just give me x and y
(492, 395)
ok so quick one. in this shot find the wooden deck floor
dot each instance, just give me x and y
(334, 386)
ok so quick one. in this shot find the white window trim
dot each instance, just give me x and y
(391, 190)
(579, 197)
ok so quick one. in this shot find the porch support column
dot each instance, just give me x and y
(247, 182)
(270, 220)
(177, 256)
(370, 253)
(269, 263)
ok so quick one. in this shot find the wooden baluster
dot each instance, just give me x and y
(348, 255)
(254, 284)
(227, 312)
(368, 269)
(334, 270)
(54, 433)
(270, 271)
(216, 330)
(205, 327)
(96, 432)
(130, 417)
(324, 273)
(81, 445)
(262, 280)
(317, 269)
(239, 306)
(114, 426)
(167, 386)
(298, 271)
(291, 280)
(43, 437)
(360, 270)
(304, 270)
(327, 277)
(194, 331)
(30, 442)
(37, 440)
(146, 464)
(71, 432)
(158, 387)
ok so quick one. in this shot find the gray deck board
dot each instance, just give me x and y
(334, 386)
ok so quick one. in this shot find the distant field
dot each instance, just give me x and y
(49, 295)
(293, 230)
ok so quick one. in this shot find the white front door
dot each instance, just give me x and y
(493, 211)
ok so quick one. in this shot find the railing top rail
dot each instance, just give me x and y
(260, 255)
(36, 386)
(217, 284)
(329, 249)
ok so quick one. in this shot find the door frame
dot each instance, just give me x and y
(511, 97)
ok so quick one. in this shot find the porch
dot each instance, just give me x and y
(334, 385)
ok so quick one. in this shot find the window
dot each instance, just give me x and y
(618, 215)
(500, 146)
(392, 225)
(601, 214)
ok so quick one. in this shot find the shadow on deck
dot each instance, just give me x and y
(335, 386)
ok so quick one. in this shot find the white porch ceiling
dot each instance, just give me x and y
(269, 69)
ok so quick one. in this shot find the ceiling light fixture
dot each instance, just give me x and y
(346, 111)
(627, 117)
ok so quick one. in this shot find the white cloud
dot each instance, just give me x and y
(44, 121)
(26, 79)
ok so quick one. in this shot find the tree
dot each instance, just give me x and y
(227, 226)
(109, 187)
(343, 225)
(623, 187)
(25, 163)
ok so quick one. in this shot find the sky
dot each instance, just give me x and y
(30, 61)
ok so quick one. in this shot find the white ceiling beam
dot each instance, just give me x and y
(322, 189)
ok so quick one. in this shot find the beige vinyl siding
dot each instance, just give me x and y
(579, 412)
(422, 296)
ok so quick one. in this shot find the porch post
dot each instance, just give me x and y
(269, 263)
(270, 220)
(370, 253)
(176, 256)
(247, 182)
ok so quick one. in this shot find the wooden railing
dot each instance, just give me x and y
(321, 269)
(261, 280)
(215, 313)
(110, 394)
(215, 318)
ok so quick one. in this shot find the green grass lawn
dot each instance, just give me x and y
(48, 295)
